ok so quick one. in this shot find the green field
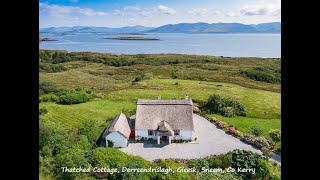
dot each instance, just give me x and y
(171, 76)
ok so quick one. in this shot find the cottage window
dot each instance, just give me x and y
(150, 132)
(176, 132)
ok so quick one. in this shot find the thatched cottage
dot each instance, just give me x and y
(160, 120)
(118, 131)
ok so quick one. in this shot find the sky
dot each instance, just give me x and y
(154, 13)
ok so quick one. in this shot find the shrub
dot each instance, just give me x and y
(43, 111)
(264, 169)
(262, 75)
(110, 143)
(137, 78)
(226, 106)
(198, 163)
(48, 98)
(221, 161)
(231, 130)
(245, 159)
(90, 129)
(221, 124)
(51, 68)
(267, 152)
(257, 131)
(263, 142)
(275, 135)
(73, 97)
(249, 138)
(228, 112)
(46, 88)
(239, 134)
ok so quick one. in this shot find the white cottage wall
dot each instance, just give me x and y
(144, 133)
(185, 135)
(118, 139)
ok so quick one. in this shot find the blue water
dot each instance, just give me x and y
(233, 45)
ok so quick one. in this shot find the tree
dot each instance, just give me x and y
(91, 130)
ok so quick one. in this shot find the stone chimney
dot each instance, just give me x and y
(187, 97)
(159, 97)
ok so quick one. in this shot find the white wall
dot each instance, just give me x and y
(118, 139)
(185, 135)
(144, 133)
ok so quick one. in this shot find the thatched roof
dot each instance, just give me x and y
(177, 113)
(119, 124)
(164, 129)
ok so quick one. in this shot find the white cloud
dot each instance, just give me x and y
(204, 12)
(254, 11)
(165, 10)
(59, 11)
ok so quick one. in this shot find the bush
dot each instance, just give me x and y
(90, 129)
(262, 76)
(267, 152)
(239, 134)
(198, 164)
(245, 159)
(275, 135)
(263, 142)
(43, 111)
(228, 112)
(264, 170)
(110, 143)
(48, 98)
(221, 124)
(73, 97)
(221, 161)
(225, 106)
(51, 68)
(257, 131)
(231, 130)
(46, 88)
(249, 138)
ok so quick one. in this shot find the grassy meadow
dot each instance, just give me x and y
(172, 76)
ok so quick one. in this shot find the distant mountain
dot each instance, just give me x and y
(273, 27)
(87, 29)
(268, 27)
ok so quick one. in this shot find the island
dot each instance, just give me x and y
(132, 38)
(46, 39)
(132, 33)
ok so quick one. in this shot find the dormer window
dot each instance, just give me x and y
(176, 132)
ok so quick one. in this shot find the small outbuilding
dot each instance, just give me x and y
(118, 131)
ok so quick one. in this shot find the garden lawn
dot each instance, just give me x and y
(72, 116)
(259, 103)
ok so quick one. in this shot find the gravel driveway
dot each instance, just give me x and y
(211, 141)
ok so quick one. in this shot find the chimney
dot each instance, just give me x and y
(187, 97)
(159, 97)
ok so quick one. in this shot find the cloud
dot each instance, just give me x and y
(144, 12)
(254, 11)
(59, 11)
(204, 12)
(165, 10)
